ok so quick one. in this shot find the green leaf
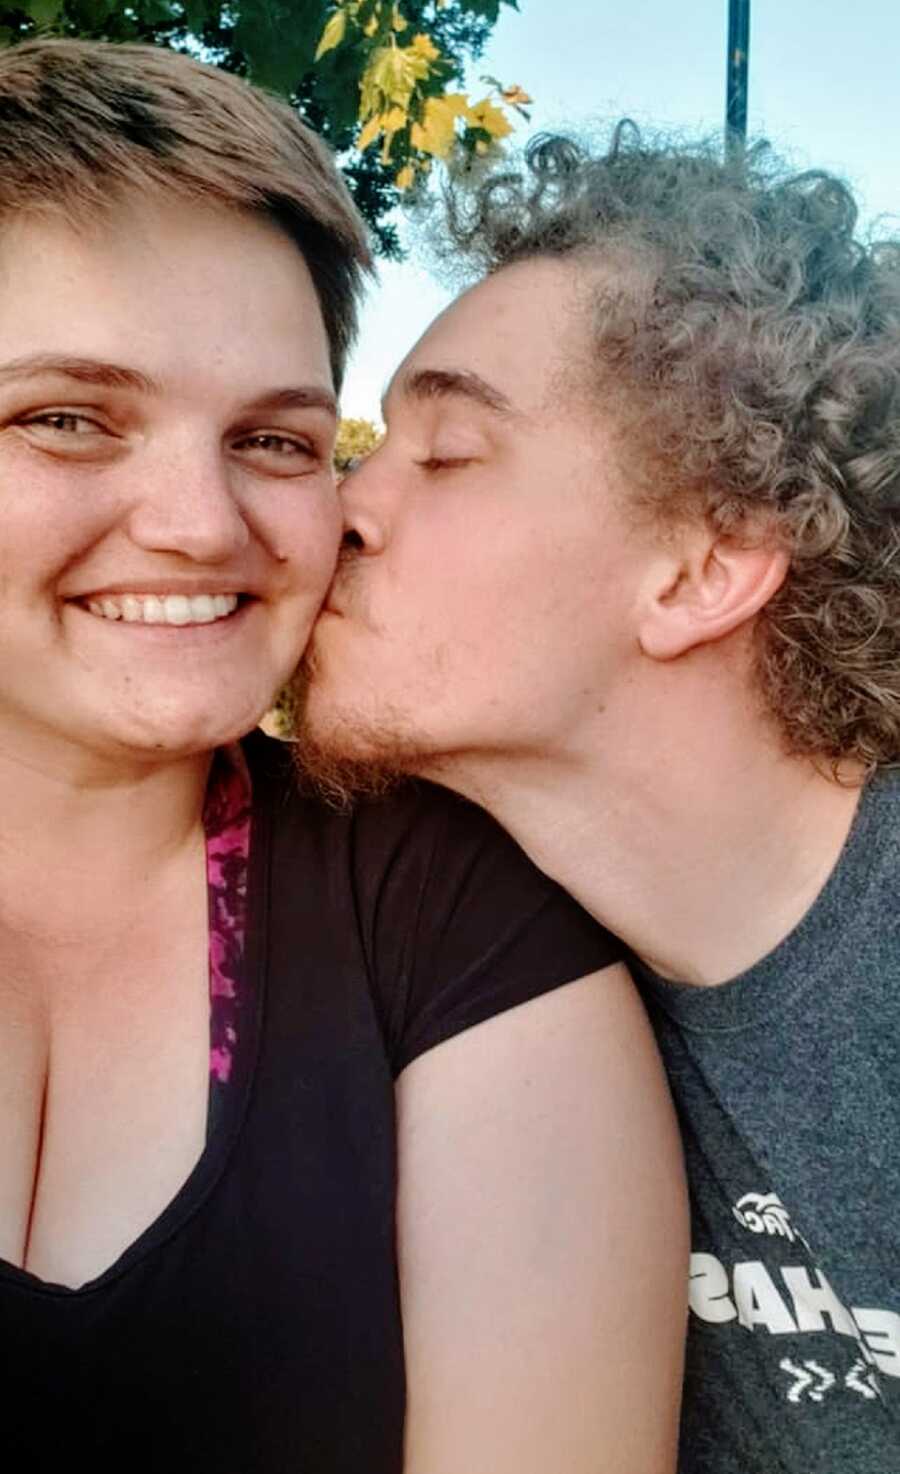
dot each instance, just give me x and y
(198, 13)
(278, 39)
(90, 16)
(43, 12)
(154, 12)
(489, 9)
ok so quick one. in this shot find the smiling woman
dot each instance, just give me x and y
(301, 1108)
(162, 470)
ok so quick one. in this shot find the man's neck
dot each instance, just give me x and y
(702, 847)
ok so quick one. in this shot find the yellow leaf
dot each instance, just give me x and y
(394, 120)
(388, 123)
(369, 133)
(485, 115)
(369, 96)
(333, 33)
(423, 46)
(371, 26)
(516, 96)
(394, 72)
(398, 22)
(405, 177)
(436, 133)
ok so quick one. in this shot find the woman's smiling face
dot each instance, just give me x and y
(168, 512)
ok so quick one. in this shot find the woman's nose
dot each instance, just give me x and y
(190, 509)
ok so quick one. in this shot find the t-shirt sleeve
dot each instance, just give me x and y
(458, 924)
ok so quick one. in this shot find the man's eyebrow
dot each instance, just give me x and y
(85, 370)
(453, 383)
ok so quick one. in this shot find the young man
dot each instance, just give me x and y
(627, 572)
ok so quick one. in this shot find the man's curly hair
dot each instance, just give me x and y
(750, 349)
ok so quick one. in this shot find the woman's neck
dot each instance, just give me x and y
(76, 831)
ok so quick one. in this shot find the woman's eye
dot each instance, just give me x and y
(280, 452)
(64, 422)
(68, 434)
(281, 444)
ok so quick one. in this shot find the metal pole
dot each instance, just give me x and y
(736, 78)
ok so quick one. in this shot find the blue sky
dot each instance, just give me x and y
(824, 87)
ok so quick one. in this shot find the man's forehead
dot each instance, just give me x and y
(503, 342)
(515, 299)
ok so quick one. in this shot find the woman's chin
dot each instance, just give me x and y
(183, 734)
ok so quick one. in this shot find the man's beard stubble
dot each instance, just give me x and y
(346, 756)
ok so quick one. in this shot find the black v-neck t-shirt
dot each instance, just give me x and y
(254, 1327)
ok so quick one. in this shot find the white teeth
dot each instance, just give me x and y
(203, 609)
(177, 609)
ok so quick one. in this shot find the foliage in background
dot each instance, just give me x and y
(355, 440)
(376, 78)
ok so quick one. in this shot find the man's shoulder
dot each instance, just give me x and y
(880, 800)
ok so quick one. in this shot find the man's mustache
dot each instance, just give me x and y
(343, 596)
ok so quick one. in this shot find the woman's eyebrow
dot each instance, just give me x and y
(303, 396)
(84, 370)
(119, 376)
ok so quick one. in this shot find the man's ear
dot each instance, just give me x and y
(715, 586)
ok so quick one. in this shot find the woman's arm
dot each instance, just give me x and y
(543, 1247)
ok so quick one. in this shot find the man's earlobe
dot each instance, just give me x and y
(718, 586)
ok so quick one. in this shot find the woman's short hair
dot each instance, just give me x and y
(747, 344)
(85, 125)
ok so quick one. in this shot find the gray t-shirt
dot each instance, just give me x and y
(787, 1082)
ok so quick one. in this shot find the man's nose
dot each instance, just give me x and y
(188, 505)
(363, 504)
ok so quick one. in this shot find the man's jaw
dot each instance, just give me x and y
(340, 780)
(346, 757)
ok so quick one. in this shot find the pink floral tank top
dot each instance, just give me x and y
(226, 820)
